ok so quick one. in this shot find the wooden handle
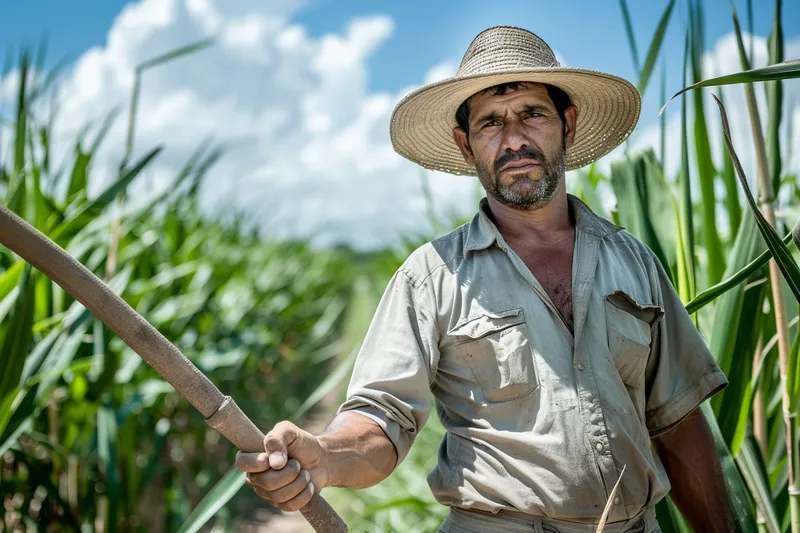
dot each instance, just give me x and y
(220, 411)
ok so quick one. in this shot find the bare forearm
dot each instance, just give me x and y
(358, 452)
(690, 458)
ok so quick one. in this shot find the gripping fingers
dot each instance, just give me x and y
(273, 480)
(295, 504)
(292, 490)
(252, 462)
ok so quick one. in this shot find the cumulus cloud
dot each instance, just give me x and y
(307, 149)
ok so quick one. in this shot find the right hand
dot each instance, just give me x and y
(289, 471)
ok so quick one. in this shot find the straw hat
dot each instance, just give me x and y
(422, 123)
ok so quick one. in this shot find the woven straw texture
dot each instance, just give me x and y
(422, 123)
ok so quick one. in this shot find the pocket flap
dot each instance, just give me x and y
(645, 312)
(490, 322)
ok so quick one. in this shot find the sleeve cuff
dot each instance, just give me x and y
(666, 416)
(391, 428)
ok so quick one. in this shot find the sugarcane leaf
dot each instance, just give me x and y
(18, 335)
(728, 174)
(793, 376)
(738, 494)
(714, 292)
(9, 280)
(176, 53)
(733, 405)
(635, 185)
(785, 70)
(655, 47)
(225, 489)
(688, 269)
(81, 216)
(754, 473)
(626, 17)
(601, 524)
(781, 253)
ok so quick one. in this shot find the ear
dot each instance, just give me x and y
(570, 119)
(461, 138)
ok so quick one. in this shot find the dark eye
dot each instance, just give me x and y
(491, 123)
(532, 115)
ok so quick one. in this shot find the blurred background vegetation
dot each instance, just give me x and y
(92, 439)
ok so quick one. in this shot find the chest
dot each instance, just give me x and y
(553, 270)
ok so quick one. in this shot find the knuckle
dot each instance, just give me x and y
(283, 426)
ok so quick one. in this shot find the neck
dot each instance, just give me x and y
(545, 226)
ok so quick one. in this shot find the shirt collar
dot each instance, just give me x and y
(482, 233)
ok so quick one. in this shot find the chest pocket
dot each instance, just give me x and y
(497, 348)
(630, 325)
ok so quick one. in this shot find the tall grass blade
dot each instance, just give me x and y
(714, 292)
(655, 47)
(755, 475)
(705, 166)
(785, 70)
(732, 205)
(217, 497)
(782, 255)
(684, 179)
(17, 336)
(738, 494)
(636, 186)
(626, 17)
(176, 53)
(662, 120)
(21, 128)
(774, 90)
(80, 217)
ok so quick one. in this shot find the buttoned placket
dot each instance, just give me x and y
(584, 267)
(587, 252)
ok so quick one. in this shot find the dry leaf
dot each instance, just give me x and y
(601, 524)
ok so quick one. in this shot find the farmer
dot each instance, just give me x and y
(553, 342)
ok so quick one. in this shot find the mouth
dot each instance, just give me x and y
(521, 165)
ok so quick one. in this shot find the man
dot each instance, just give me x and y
(552, 340)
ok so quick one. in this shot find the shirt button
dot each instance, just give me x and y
(616, 501)
(580, 366)
(598, 447)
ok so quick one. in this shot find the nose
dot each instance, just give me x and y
(514, 138)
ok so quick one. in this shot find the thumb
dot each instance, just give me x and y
(277, 442)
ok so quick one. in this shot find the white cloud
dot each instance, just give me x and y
(307, 144)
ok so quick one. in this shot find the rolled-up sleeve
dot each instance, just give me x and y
(681, 372)
(397, 362)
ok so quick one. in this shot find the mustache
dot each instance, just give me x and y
(529, 152)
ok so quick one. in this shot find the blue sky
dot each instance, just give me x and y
(586, 33)
(323, 143)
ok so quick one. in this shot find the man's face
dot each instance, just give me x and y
(517, 143)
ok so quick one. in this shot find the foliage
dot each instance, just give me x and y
(91, 437)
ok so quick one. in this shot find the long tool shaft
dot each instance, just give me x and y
(220, 411)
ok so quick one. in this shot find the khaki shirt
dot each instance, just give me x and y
(538, 419)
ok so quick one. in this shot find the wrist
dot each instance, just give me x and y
(326, 462)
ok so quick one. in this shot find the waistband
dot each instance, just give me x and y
(517, 522)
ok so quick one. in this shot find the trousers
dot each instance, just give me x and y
(468, 521)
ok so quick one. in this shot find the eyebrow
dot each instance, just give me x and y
(527, 108)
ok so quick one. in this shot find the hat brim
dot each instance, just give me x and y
(422, 123)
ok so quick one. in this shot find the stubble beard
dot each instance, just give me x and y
(525, 192)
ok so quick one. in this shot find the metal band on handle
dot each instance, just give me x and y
(220, 411)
